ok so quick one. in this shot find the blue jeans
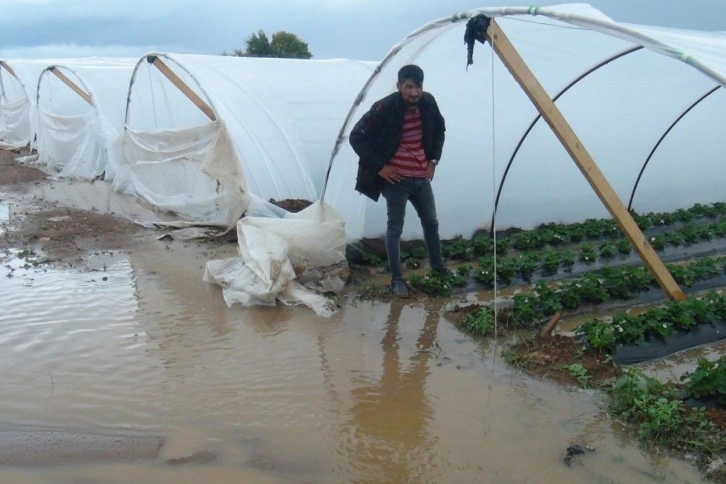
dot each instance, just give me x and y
(419, 192)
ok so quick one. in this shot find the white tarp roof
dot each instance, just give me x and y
(18, 83)
(619, 112)
(74, 133)
(281, 115)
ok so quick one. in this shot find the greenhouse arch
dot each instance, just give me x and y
(229, 134)
(660, 140)
(539, 116)
(80, 105)
(15, 106)
(672, 65)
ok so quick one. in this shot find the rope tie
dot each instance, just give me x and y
(494, 191)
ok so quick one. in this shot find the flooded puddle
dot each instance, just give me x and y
(673, 367)
(380, 392)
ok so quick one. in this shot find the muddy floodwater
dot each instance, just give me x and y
(132, 369)
(380, 392)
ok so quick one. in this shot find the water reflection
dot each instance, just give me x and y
(391, 413)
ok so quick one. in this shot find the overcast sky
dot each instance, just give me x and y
(355, 29)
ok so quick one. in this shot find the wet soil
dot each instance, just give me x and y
(546, 356)
(57, 234)
(292, 204)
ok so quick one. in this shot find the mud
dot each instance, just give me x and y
(58, 234)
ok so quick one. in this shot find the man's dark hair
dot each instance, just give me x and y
(411, 72)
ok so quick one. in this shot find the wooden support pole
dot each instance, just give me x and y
(549, 111)
(176, 80)
(75, 87)
(8, 68)
(550, 326)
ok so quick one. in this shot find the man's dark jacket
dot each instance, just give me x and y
(376, 136)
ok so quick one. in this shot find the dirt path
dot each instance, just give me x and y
(57, 234)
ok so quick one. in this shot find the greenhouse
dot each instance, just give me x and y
(206, 135)
(81, 108)
(645, 102)
(642, 105)
(18, 82)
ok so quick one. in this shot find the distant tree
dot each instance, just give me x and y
(258, 46)
(283, 45)
(287, 45)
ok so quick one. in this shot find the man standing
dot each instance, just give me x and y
(399, 142)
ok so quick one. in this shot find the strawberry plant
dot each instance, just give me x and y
(550, 261)
(548, 300)
(674, 239)
(607, 249)
(587, 253)
(456, 249)
(705, 232)
(485, 274)
(658, 242)
(525, 240)
(463, 270)
(506, 270)
(371, 259)
(524, 309)
(591, 289)
(708, 380)
(627, 329)
(567, 259)
(576, 233)
(624, 247)
(439, 286)
(615, 285)
(527, 264)
(599, 334)
(481, 246)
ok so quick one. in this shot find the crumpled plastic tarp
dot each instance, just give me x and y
(293, 260)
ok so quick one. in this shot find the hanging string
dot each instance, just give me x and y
(494, 191)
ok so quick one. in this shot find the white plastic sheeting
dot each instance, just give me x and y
(75, 133)
(619, 112)
(281, 116)
(18, 82)
(290, 260)
(192, 173)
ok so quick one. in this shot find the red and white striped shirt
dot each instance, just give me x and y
(410, 159)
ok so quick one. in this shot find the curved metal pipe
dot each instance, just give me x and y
(673, 124)
(537, 118)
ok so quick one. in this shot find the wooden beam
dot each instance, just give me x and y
(549, 111)
(8, 68)
(75, 87)
(176, 80)
(550, 326)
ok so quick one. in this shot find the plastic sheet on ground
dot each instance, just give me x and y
(291, 260)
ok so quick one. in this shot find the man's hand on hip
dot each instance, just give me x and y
(430, 170)
(390, 174)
